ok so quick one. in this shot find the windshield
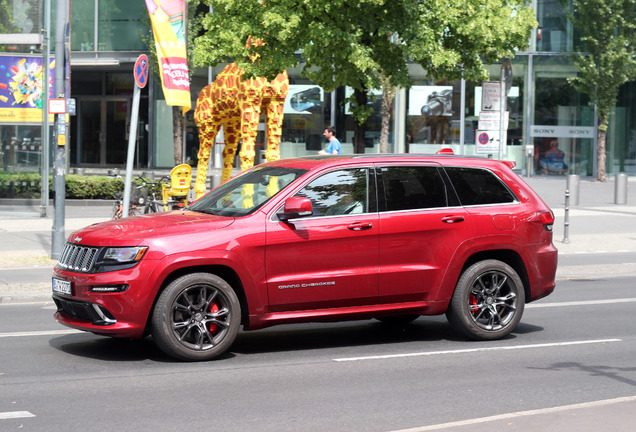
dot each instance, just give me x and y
(247, 192)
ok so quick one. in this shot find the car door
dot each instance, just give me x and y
(419, 231)
(328, 259)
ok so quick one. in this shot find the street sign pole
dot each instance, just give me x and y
(140, 73)
(505, 81)
(58, 236)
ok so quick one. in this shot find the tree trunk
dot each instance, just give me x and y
(601, 155)
(177, 128)
(360, 128)
(388, 95)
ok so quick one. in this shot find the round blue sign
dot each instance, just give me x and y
(141, 71)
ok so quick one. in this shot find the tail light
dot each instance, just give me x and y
(547, 219)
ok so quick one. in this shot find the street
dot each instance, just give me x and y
(576, 346)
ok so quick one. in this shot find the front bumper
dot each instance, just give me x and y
(118, 314)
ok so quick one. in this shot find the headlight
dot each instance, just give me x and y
(125, 254)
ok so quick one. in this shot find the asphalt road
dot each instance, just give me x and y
(576, 346)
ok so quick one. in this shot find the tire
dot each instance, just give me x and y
(197, 317)
(134, 211)
(117, 211)
(488, 301)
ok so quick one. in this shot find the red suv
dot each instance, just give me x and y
(326, 238)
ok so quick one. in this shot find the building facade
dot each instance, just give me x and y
(105, 41)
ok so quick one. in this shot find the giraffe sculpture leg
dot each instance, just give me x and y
(231, 133)
(207, 134)
(249, 129)
(274, 133)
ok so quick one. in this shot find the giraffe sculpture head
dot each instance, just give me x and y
(237, 104)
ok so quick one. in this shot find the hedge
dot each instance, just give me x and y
(27, 185)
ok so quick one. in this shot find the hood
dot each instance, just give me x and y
(133, 230)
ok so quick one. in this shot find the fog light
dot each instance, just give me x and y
(109, 288)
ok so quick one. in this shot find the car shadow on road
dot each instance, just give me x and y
(284, 338)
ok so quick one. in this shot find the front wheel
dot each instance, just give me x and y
(488, 301)
(197, 317)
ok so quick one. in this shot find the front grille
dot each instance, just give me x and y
(78, 258)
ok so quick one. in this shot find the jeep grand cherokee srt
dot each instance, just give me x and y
(327, 238)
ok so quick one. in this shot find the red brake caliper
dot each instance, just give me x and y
(473, 302)
(214, 308)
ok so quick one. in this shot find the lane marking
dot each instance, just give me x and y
(15, 415)
(40, 333)
(580, 303)
(474, 350)
(520, 414)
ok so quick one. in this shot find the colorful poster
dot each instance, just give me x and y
(21, 84)
(168, 26)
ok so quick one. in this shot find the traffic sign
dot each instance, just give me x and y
(487, 142)
(140, 71)
(57, 106)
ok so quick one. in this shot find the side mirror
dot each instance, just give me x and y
(296, 207)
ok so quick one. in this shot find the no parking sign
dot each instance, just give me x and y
(487, 142)
(141, 71)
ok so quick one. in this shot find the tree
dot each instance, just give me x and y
(608, 60)
(347, 43)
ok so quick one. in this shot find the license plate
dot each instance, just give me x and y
(61, 286)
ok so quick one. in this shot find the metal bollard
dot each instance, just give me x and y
(566, 221)
(620, 189)
(573, 182)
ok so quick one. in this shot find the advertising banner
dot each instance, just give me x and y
(168, 26)
(21, 86)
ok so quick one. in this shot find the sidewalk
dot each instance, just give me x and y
(595, 225)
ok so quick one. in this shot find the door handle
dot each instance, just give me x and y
(452, 219)
(359, 226)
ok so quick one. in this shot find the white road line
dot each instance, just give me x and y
(473, 350)
(519, 414)
(15, 415)
(581, 303)
(39, 333)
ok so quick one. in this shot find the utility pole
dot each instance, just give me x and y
(58, 236)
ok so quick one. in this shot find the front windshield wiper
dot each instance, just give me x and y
(206, 211)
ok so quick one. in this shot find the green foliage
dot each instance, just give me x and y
(92, 187)
(20, 185)
(351, 42)
(608, 51)
(27, 185)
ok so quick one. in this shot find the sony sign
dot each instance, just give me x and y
(561, 131)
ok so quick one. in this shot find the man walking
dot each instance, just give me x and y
(334, 144)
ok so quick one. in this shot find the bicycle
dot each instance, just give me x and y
(153, 205)
(140, 201)
(118, 208)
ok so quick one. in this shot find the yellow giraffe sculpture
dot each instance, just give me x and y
(237, 105)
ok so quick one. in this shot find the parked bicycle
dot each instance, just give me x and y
(152, 204)
(143, 198)
(133, 209)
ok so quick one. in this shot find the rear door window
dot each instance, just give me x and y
(478, 186)
(413, 187)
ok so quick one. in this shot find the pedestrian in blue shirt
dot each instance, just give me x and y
(334, 144)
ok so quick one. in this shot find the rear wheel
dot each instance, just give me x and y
(197, 317)
(488, 301)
